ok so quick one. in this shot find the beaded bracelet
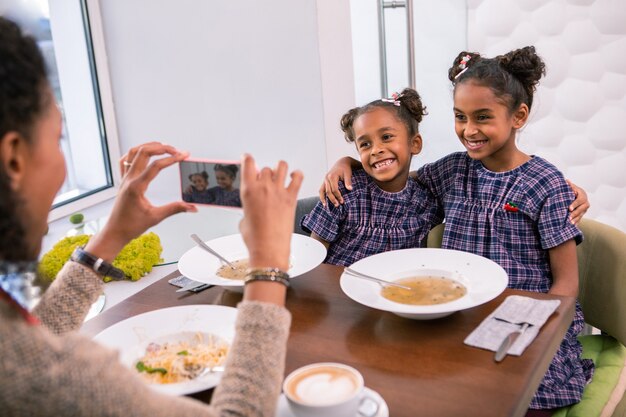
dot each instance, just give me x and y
(267, 274)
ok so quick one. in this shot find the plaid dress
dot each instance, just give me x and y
(518, 238)
(221, 197)
(372, 220)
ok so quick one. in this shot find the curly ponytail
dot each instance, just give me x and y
(409, 109)
(513, 76)
(461, 63)
(526, 66)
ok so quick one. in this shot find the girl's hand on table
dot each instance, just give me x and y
(132, 212)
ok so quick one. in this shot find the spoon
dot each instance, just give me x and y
(206, 247)
(358, 274)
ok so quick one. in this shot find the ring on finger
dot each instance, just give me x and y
(127, 164)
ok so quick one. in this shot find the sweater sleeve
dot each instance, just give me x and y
(71, 375)
(65, 304)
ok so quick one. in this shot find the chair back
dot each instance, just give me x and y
(303, 207)
(435, 236)
(602, 272)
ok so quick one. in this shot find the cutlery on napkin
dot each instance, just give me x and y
(511, 327)
(187, 284)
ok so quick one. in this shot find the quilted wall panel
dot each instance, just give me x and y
(577, 118)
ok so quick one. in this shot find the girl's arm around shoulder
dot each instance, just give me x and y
(324, 221)
(438, 176)
(564, 266)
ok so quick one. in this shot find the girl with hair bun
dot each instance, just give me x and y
(509, 206)
(384, 211)
(505, 205)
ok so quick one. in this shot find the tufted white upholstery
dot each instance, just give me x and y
(578, 118)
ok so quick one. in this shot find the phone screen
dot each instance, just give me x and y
(210, 182)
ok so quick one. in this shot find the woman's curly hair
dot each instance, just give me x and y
(22, 100)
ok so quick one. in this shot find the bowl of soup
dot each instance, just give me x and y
(438, 282)
(199, 265)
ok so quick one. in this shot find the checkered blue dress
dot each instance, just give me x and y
(518, 238)
(372, 220)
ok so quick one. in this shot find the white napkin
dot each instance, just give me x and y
(514, 311)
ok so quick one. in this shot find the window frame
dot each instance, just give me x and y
(92, 22)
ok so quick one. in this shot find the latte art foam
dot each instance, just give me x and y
(325, 388)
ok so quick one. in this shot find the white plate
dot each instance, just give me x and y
(483, 278)
(131, 336)
(96, 307)
(283, 409)
(199, 265)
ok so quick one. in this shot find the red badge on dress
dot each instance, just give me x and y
(511, 207)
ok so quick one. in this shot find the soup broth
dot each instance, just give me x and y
(239, 273)
(425, 290)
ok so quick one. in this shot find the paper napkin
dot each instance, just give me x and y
(514, 311)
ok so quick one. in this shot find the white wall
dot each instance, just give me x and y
(576, 118)
(222, 78)
(576, 122)
(439, 32)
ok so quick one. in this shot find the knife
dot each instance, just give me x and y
(194, 286)
(508, 342)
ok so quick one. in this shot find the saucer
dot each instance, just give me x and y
(283, 409)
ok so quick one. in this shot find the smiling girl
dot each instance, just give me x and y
(509, 206)
(504, 204)
(383, 211)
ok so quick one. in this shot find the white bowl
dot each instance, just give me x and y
(199, 265)
(483, 279)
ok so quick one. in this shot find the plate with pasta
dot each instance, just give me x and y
(177, 350)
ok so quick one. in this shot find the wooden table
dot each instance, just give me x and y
(419, 367)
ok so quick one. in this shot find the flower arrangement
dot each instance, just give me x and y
(136, 259)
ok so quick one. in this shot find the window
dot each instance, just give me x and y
(69, 35)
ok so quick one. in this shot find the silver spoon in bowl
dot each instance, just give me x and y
(358, 274)
(206, 247)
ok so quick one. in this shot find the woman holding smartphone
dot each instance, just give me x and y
(49, 368)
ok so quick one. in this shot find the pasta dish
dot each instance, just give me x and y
(167, 363)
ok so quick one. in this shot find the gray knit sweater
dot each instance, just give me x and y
(51, 370)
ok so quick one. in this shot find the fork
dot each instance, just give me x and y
(207, 248)
(381, 282)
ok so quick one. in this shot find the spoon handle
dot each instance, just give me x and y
(204, 246)
(380, 281)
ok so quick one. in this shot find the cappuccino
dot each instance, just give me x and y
(323, 385)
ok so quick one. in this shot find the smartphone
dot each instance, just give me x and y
(211, 182)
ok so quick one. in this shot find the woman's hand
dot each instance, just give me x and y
(132, 212)
(342, 170)
(580, 205)
(269, 213)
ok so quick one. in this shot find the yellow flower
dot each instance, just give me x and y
(136, 259)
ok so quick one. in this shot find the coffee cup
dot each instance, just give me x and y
(326, 389)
